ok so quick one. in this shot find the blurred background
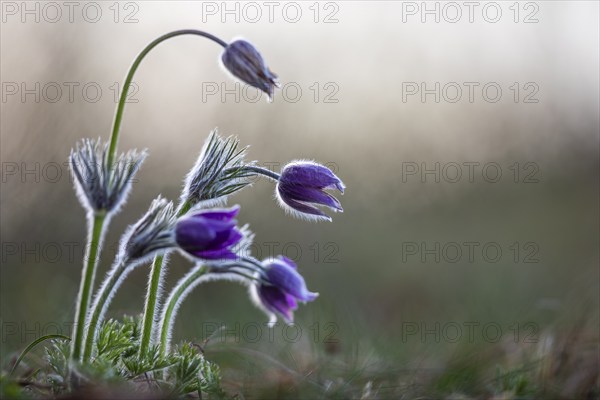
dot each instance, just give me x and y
(467, 256)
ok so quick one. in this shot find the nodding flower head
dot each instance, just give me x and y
(245, 62)
(218, 172)
(281, 288)
(152, 234)
(99, 186)
(209, 234)
(302, 185)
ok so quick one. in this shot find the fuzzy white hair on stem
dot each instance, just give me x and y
(151, 235)
(106, 292)
(160, 289)
(199, 274)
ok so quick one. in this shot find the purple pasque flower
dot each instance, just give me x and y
(209, 234)
(302, 186)
(283, 287)
(245, 62)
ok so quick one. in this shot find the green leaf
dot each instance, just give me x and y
(32, 345)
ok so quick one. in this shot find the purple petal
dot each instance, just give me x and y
(306, 209)
(277, 301)
(223, 254)
(246, 63)
(193, 234)
(225, 214)
(339, 186)
(286, 278)
(234, 237)
(310, 174)
(288, 261)
(224, 231)
(220, 248)
(209, 234)
(308, 195)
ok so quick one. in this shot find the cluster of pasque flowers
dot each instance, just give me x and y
(212, 234)
(202, 227)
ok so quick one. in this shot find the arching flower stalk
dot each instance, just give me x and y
(99, 220)
(211, 265)
(203, 272)
(209, 236)
(184, 287)
(244, 62)
(275, 286)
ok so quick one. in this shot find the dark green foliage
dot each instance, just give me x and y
(116, 339)
(57, 355)
(193, 373)
(116, 363)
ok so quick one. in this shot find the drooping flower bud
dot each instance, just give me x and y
(99, 186)
(283, 287)
(245, 62)
(302, 185)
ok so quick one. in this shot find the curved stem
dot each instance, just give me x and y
(114, 138)
(101, 302)
(243, 266)
(178, 294)
(246, 276)
(155, 279)
(263, 171)
(253, 261)
(95, 237)
(98, 226)
(195, 277)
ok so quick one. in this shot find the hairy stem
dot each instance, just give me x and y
(263, 171)
(192, 279)
(96, 226)
(114, 138)
(154, 285)
(199, 274)
(109, 287)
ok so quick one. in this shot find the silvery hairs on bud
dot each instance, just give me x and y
(101, 187)
(218, 172)
(152, 234)
(245, 63)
